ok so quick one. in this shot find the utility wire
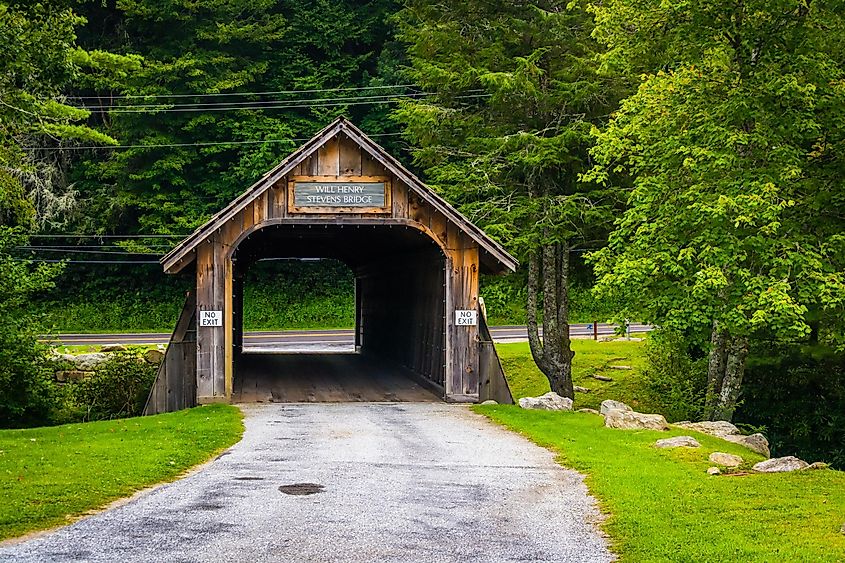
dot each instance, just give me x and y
(197, 144)
(69, 251)
(51, 261)
(262, 103)
(308, 104)
(74, 235)
(223, 94)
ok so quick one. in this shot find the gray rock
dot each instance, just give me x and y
(629, 420)
(551, 401)
(154, 356)
(819, 465)
(714, 471)
(489, 402)
(678, 442)
(781, 465)
(842, 529)
(620, 367)
(113, 348)
(89, 362)
(609, 405)
(589, 411)
(579, 389)
(718, 428)
(757, 443)
(71, 375)
(725, 460)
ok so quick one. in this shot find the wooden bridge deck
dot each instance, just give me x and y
(323, 378)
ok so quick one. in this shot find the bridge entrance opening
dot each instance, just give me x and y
(415, 261)
(392, 278)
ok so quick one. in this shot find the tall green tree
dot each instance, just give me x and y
(507, 135)
(38, 58)
(734, 142)
(197, 152)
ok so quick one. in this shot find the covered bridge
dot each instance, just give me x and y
(415, 261)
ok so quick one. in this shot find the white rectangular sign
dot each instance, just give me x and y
(466, 317)
(211, 318)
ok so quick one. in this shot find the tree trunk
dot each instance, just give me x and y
(548, 271)
(732, 383)
(715, 369)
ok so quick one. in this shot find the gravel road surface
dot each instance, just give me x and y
(374, 482)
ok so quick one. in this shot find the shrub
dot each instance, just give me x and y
(675, 380)
(117, 389)
(26, 387)
(799, 395)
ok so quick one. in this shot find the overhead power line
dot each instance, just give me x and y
(51, 261)
(255, 104)
(228, 94)
(75, 235)
(197, 144)
(306, 104)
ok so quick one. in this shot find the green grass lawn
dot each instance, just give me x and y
(591, 358)
(50, 475)
(662, 506)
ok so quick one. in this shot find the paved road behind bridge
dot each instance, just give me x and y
(395, 483)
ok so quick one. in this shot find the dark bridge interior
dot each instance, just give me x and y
(399, 317)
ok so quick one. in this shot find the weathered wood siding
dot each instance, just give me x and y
(175, 387)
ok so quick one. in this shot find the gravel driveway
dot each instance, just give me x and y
(425, 482)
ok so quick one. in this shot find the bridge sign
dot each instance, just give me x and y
(466, 317)
(211, 318)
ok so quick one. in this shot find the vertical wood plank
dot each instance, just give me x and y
(370, 166)
(349, 158)
(205, 339)
(328, 158)
(400, 199)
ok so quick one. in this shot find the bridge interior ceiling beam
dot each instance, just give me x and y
(358, 246)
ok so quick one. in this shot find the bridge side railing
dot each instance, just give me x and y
(492, 384)
(175, 386)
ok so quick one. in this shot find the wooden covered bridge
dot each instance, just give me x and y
(415, 260)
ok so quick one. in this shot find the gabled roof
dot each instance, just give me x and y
(339, 125)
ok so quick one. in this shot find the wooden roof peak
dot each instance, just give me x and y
(175, 259)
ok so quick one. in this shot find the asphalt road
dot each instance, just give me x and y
(409, 482)
(308, 338)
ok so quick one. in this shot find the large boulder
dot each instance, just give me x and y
(551, 401)
(71, 375)
(725, 460)
(87, 362)
(718, 428)
(757, 443)
(154, 356)
(677, 442)
(629, 420)
(609, 405)
(781, 465)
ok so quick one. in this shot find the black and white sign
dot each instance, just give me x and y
(466, 317)
(338, 194)
(211, 318)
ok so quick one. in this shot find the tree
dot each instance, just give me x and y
(190, 153)
(506, 136)
(38, 57)
(734, 143)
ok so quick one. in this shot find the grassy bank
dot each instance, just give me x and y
(591, 358)
(52, 474)
(662, 506)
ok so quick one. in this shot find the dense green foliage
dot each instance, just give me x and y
(799, 399)
(52, 475)
(293, 51)
(118, 388)
(506, 137)
(733, 142)
(25, 390)
(662, 505)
